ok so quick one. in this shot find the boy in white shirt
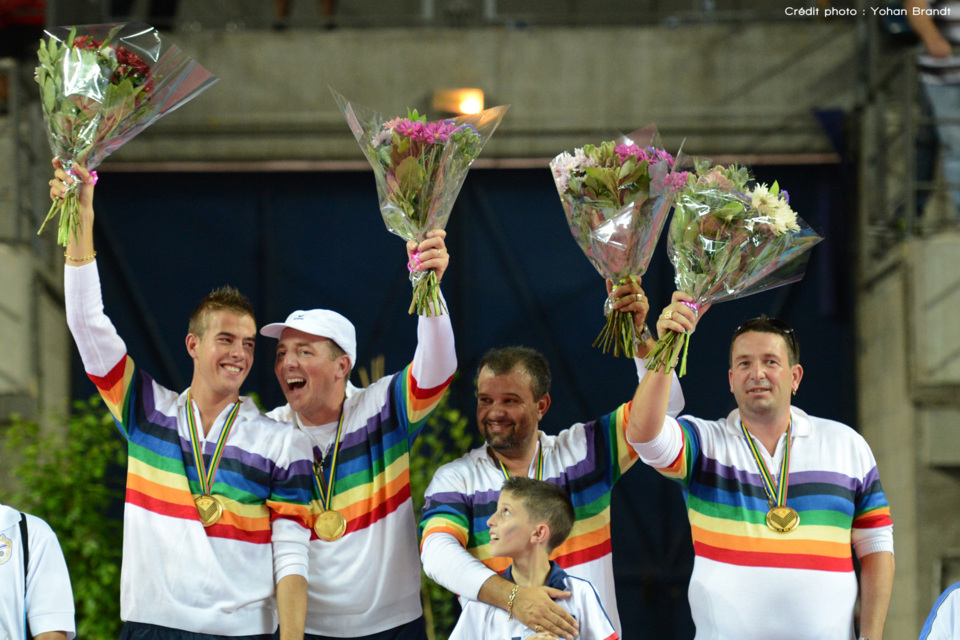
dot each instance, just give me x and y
(533, 518)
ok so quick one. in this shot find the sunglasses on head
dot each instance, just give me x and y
(764, 323)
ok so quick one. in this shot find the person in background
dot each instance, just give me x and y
(35, 596)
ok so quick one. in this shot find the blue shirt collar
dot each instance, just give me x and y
(556, 579)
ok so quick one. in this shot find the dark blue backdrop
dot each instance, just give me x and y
(304, 240)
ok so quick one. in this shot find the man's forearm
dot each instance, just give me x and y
(921, 23)
(649, 408)
(496, 591)
(876, 585)
(292, 606)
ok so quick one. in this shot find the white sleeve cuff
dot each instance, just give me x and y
(291, 548)
(452, 567)
(50, 622)
(867, 541)
(664, 448)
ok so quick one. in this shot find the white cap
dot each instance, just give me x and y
(322, 323)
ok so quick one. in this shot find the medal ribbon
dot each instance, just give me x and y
(206, 477)
(776, 495)
(538, 473)
(326, 490)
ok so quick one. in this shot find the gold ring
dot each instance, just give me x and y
(639, 297)
(538, 629)
(667, 314)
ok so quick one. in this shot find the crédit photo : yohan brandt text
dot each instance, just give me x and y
(830, 12)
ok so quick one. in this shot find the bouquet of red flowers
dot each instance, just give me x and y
(419, 167)
(101, 85)
(727, 241)
(616, 197)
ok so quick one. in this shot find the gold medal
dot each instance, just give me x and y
(783, 519)
(330, 525)
(209, 509)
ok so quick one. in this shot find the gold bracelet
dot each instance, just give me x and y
(83, 259)
(513, 595)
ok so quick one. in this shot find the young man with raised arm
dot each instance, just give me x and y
(217, 505)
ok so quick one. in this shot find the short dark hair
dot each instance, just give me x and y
(544, 502)
(503, 360)
(225, 298)
(335, 350)
(763, 324)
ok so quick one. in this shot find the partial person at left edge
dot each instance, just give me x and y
(35, 596)
(217, 505)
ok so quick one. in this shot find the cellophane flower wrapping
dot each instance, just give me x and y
(101, 85)
(730, 238)
(419, 167)
(616, 197)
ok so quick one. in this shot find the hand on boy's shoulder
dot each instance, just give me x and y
(535, 606)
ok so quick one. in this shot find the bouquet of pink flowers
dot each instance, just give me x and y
(616, 197)
(728, 240)
(101, 85)
(419, 167)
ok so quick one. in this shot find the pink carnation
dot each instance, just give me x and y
(674, 181)
(627, 150)
(427, 131)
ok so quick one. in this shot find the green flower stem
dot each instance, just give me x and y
(69, 209)
(619, 334)
(671, 349)
(425, 291)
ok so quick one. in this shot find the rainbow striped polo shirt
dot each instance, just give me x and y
(585, 459)
(176, 573)
(748, 580)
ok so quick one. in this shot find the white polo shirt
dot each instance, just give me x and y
(49, 600)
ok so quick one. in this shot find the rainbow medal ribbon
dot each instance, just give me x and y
(780, 517)
(209, 507)
(539, 469)
(330, 524)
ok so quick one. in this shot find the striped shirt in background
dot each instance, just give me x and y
(943, 70)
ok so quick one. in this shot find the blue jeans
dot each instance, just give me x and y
(945, 102)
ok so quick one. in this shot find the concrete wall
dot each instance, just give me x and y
(727, 89)
(912, 418)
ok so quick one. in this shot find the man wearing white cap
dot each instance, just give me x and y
(364, 560)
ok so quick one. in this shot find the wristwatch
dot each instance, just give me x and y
(645, 334)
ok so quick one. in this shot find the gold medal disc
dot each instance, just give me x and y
(209, 509)
(330, 525)
(783, 519)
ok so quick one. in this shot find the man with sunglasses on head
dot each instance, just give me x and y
(778, 500)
